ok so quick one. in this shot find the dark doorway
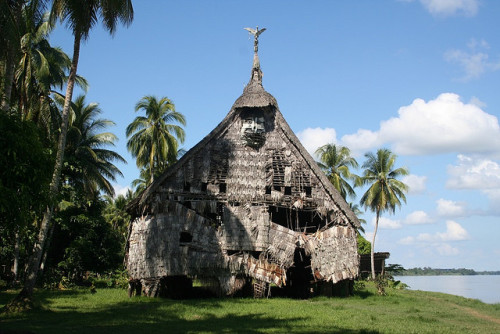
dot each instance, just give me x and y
(299, 276)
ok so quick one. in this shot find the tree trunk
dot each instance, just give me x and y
(46, 249)
(11, 59)
(34, 262)
(8, 80)
(372, 252)
(15, 265)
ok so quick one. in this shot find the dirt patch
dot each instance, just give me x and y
(478, 315)
(471, 311)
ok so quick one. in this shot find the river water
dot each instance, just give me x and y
(483, 287)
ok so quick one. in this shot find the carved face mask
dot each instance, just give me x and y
(253, 125)
(252, 131)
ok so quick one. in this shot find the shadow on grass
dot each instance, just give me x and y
(363, 294)
(143, 315)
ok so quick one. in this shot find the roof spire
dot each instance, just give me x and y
(254, 95)
(256, 72)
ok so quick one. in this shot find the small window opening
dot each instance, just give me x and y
(187, 186)
(268, 190)
(288, 190)
(277, 188)
(222, 187)
(232, 252)
(186, 237)
(308, 191)
(298, 220)
(204, 186)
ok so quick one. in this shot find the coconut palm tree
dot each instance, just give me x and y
(141, 183)
(154, 138)
(10, 16)
(336, 162)
(357, 211)
(116, 213)
(145, 179)
(81, 17)
(88, 165)
(39, 69)
(385, 191)
(17, 19)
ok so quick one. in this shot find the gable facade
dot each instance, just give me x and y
(246, 206)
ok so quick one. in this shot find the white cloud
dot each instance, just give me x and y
(477, 173)
(454, 232)
(471, 173)
(386, 223)
(418, 218)
(447, 208)
(407, 241)
(313, 138)
(121, 190)
(494, 198)
(477, 102)
(438, 242)
(451, 7)
(474, 44)
(415, 183)
(443, 125)
(474, 61)
(447, 250)
(472, 64)
(362, 141)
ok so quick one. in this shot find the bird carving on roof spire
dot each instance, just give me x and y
(256, 33)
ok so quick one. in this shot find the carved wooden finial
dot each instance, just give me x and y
(256, 75)
(256, 33)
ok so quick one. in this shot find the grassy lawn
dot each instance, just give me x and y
(111, 311)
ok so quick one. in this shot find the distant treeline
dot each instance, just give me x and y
(436, 272)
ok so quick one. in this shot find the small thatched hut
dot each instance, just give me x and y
(365, 263)
(246, 207)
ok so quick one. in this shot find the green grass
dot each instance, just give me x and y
(111, 311)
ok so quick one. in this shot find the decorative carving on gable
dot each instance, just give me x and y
(253, 128)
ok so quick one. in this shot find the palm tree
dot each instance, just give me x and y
(40, 67)
(88, 165)
(81, 16)
(145, 179)
(17, 18)
(385, 191)
(140, 184)
(10, 16)
(154, 139)
(116, 213)
(357, 211)
(335, 161)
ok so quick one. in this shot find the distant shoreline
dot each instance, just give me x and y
(440, 272)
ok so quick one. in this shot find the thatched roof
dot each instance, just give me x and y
(254, 96)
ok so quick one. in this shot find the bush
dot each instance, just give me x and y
(359, 286)
(117, 279)
(398, 285)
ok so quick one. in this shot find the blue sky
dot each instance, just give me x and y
(419, 77)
